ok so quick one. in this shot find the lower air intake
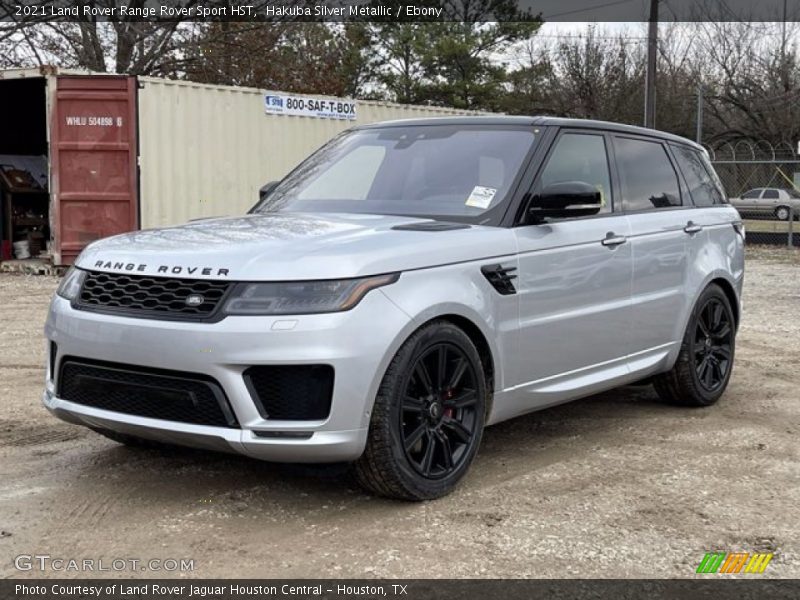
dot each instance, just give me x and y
(153, 393)
(291, 392)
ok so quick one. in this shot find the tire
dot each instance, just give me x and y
(131, 440)
(782, 213)
(424, 413)
(705, 362)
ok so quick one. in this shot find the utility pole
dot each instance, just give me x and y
(784, 70)
(699, 135)
(650, 82)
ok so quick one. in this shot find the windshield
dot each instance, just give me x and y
(449, 172)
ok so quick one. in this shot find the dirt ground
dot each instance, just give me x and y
(616, 485)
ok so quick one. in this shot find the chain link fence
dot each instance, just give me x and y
(763, 182)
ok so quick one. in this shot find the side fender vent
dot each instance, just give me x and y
(502, 278)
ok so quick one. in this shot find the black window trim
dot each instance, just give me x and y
(672, 148)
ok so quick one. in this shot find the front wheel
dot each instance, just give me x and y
(705, 362)
(428, 416)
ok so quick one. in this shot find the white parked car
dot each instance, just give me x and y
(769, 201)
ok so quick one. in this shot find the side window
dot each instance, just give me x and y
(702, 188)
(752, 194)
(580, 157)
(771, 194)
(647, 177)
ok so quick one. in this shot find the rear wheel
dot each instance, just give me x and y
(428, 416)
(705, 362)
(782, 213)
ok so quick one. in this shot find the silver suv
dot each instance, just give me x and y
(407, 285)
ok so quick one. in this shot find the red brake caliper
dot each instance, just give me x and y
(448, 411)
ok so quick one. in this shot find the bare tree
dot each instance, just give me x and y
(593, 74)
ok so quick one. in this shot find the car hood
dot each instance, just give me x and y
(294, 246)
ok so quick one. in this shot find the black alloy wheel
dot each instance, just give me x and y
(427, 420)
(712, 344)
(704, 365)
(439, 410)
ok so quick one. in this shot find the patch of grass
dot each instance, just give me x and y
(758, 226)
(767, 253)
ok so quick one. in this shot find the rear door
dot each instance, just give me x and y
(93, 161)
(660, 239)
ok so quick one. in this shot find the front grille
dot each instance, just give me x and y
(291, 392)
(154, 393)
(138, 295)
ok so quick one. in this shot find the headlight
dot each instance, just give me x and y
(302, 297)
(70, 286)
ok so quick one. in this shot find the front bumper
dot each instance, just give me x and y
(358, 344)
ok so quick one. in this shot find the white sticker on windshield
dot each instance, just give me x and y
(481, 197)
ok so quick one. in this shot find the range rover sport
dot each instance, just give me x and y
(407, 285)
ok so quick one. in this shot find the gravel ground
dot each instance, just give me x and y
(616, 485)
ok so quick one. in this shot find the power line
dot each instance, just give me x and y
(583, 10)
(582, 36)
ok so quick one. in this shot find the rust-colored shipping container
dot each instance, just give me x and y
(93, 161)
(84, 156)
(71, 141)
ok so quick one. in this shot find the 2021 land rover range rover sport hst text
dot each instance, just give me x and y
(407, 285)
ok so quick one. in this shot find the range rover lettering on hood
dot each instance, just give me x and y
(171, 270)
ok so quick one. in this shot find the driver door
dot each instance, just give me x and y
(574, 284)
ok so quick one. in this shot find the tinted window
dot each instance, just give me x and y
(752, 194)
(701, 187)
(771, 194)
(580, 157)
(647, 177)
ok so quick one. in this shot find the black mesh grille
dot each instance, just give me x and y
(291, 392)
(168, 395)
(137, 295)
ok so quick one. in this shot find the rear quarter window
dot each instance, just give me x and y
(702, 187)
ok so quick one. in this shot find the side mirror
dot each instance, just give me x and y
(266, 189)
(263, 192)
(563, 200)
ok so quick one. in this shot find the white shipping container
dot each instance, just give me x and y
(205, 150)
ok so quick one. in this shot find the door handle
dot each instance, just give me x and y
(612, 240)
(692, 228)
